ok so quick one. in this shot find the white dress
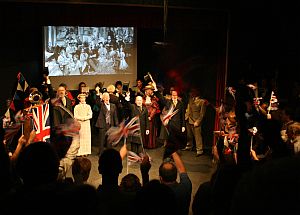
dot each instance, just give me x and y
(83, 113)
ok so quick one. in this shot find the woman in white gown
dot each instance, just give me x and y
(83, 113)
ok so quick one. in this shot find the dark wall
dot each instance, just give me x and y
(264, 43)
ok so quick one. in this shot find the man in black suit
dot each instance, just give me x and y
(67, 144)
(138, 109)
(176, 124)
(60, 115)
(107, 117)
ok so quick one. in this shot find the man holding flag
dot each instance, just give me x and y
(107, 118)
(138, 139)
(173, 119)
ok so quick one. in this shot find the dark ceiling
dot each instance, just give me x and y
(196, 4)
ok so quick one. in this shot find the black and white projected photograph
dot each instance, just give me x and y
(76, 50)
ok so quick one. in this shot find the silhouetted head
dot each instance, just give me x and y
(168, 172)
(81, 169)
(164, 203)
(38, 164)
(130, 183)
(110, 162)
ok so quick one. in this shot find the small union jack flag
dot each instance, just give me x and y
(115, 134)
(41, 122)
(132, 157)
(231, 91)
(167, 115)
(20, 93)
(273, 102)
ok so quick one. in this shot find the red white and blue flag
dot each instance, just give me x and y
(115, 134)
(132, 157)
(273, 102)
(167, 115)
(20, 93)
(41, 122)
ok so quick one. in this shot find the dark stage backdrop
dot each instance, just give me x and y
(194, 57)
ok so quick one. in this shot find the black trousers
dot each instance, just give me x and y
(102, 138)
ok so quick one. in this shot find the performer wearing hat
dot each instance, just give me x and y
(194, 116)
(151, 103)
(83, 113)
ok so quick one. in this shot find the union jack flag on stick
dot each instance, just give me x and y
(136, 158)
(273, 102)
(115, 134)
(21, 92)
(167, 115)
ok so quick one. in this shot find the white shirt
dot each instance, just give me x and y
(175, 102)
(64, 101)
(107, 106)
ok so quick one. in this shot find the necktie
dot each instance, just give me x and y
(64, 101)
(107, 117)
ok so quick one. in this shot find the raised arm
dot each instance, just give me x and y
(145, 167)
(178, 162)
(123, 151)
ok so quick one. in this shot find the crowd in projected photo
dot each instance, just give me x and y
(73, 50)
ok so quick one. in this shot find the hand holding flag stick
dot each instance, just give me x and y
(132, 128)
(253, 131)
(273, 104)
(232, 92)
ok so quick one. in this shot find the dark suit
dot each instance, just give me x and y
(66, 145)
(144, 125)
(102, 125)
(174, 127)
(60, 116)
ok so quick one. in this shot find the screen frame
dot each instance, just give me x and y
(91, 80)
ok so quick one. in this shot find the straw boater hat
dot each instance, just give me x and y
(81, 94)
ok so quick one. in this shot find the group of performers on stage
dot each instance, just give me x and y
(176, 119)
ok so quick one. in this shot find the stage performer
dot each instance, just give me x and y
(107, 118)
(64, 128)
(138, 140)
(227, 139)
(194, 115)
(83, 113)
(151, 103)
(174, 122)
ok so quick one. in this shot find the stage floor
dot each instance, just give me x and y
(199, 169)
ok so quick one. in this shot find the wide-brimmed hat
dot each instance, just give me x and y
(81, 94)
(149, 86)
